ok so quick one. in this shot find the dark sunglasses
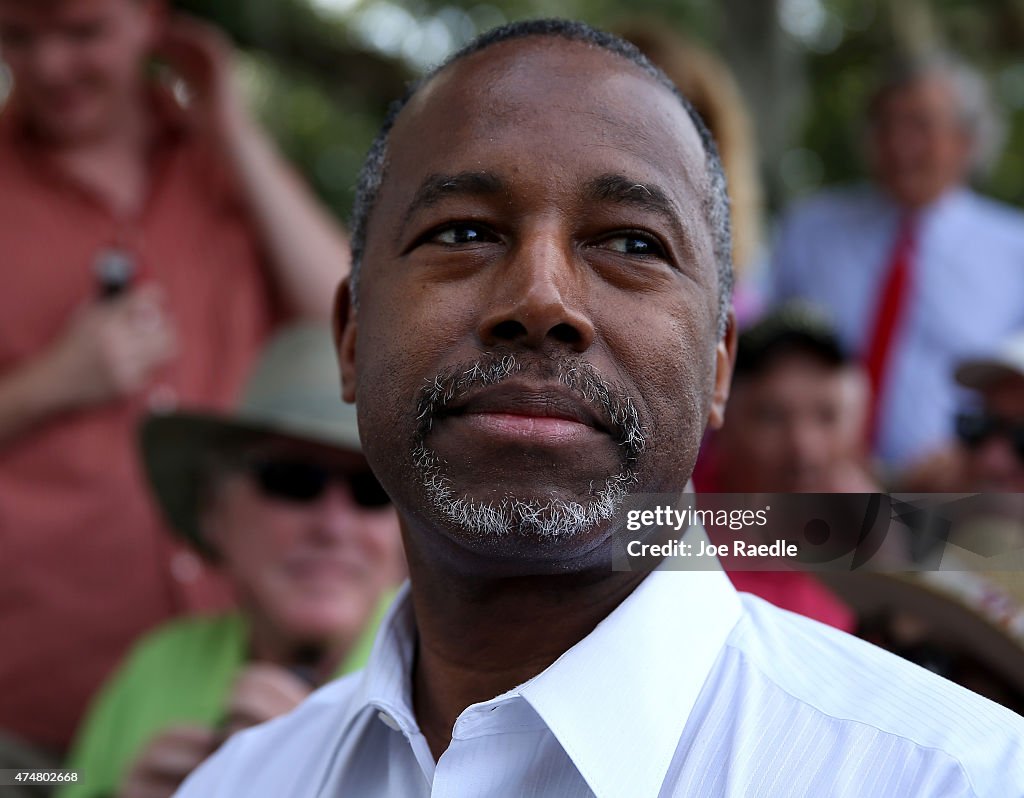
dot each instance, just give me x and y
(976, 428)
(301, 482)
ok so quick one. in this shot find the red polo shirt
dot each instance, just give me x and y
(86, 563)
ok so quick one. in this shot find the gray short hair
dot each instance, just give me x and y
(976, 109)
(716, 203)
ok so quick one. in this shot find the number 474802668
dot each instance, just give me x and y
(13, 777)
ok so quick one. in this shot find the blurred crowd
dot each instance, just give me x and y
(193, 540)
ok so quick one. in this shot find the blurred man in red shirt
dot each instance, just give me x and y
(148, 245)
(799, 406)
(794, 424)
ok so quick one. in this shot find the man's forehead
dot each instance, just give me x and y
(534, 70)
(931, 88)
(780, 368)
(563, 92)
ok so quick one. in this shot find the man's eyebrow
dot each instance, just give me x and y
(436, 187)
(622, 190)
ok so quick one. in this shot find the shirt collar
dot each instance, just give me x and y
(949, 201)
(387, 680)
(618, 700)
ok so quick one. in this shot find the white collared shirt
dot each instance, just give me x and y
(966, 295)
(686, 689)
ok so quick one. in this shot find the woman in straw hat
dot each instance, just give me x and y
(280, 498)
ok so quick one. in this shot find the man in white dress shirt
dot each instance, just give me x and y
(917, 271)
(538, 327)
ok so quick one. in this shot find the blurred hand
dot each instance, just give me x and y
(204, 58)
(167, 760)
(263, 692)
(111, 348)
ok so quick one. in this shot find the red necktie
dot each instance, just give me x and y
(889, 312)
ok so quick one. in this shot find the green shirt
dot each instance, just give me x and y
(182, 672)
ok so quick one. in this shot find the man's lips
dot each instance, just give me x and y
(535, 413)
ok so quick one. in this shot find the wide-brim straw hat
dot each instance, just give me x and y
(294, 391)
(965, 612)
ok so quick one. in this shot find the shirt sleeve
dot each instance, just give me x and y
(160, 683)
(103, 746)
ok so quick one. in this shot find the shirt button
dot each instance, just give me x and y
(389, 721)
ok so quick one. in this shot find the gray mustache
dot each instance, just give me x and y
(574, 373)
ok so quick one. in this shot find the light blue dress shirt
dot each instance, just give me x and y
(967, 295)
(687, 689)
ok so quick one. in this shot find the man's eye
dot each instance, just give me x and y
(634, 244)
(462, 234)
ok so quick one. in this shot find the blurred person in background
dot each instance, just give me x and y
(916, 271)
(988, 454)
(992, 433)
(796, 417)
(989, 528)
(962, 615)
(706, 81)
(148, 245)
(794, 424)
(280, 498)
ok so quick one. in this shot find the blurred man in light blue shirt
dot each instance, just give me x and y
(917, 271)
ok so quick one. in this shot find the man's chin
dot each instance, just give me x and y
(523, 548)
(538, 520)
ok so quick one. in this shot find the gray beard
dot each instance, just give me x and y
(550, 518)
(547, 518)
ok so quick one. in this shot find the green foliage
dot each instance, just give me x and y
(322, 80)
(325, 140)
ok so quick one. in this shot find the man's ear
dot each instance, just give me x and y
(725, 358)
(344, 322)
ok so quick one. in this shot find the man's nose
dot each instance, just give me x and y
(540, 299)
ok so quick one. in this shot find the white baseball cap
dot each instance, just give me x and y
(1007, 361)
